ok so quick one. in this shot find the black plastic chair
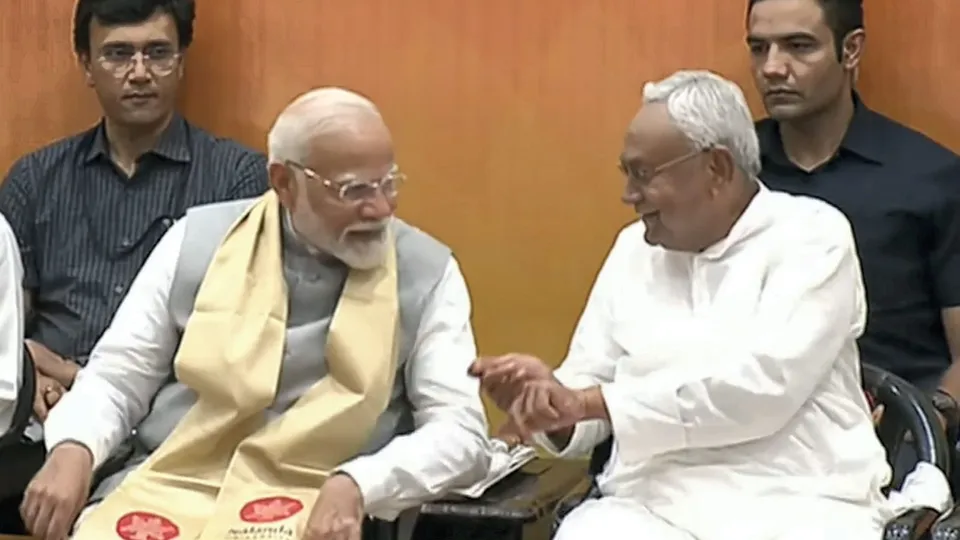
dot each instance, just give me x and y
(908, 418)
(376, 529)
(949, 527)
(24, 407)
(19, 456)
(906, 412)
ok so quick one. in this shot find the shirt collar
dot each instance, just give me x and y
(860, 139)
(754, 219)
(174, 143)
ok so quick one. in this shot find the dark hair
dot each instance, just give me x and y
(841, 16)
(123, 12)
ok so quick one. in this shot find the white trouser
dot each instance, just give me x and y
(608, 516)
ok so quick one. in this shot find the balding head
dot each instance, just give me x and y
(321, 113)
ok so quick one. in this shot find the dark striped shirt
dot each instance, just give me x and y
(85, 228)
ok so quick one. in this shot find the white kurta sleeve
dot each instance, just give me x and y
(11, 324)
(129, 363)
(759, 371)
(591, 359)
(449, 447)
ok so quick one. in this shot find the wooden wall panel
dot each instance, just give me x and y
(508, 114)
(42, 95)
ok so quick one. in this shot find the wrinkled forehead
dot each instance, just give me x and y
(652, 137)
(357, 151)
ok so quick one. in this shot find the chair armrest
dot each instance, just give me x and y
(377, 529)
(524, 496)
(948, 528)
(570, 502)
(23, 409)
(911, 525)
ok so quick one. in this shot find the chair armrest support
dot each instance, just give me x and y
(523, 496)
(911, 525)
(948, 528)
(23, 410)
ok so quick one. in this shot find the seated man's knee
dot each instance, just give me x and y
(595, 516)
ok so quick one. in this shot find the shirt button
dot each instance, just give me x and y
(167, 222)
(118, 289)
(126, 243)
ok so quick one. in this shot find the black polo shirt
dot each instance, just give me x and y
(901, 192)
(85, 228)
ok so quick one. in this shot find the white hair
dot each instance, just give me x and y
(313, 113)
(710, 111)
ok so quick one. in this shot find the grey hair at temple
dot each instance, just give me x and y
(710, 111)
(314, 113)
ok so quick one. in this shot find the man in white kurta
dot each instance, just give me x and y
(718, 347)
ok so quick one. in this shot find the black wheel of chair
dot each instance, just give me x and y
(908, 417)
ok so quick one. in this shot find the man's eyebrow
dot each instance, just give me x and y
(757, 38)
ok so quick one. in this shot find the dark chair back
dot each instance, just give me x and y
(908, 418)
(24, 407)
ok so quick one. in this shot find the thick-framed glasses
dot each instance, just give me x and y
(354, 191)
(639, 177)
(119, 61)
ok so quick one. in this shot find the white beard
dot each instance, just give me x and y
(361, 254)
(357, 254)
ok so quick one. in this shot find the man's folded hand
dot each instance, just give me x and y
(547, 406)
(58, 492)
(338, 512)
(504, 377)
(51, 364)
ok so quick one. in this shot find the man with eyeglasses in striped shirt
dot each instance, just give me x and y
(88, 209)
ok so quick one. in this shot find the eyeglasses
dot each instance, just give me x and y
(119, 61)
(356, 191)
(638, 177)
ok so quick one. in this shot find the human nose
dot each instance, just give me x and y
(138, 67)
(631, 195)
(774, 64)
(379, 206)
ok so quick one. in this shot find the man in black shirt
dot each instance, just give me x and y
(899, 189)
(88, 209)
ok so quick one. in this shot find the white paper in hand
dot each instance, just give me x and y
(504, 461)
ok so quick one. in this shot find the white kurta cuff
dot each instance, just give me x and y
(586, 435)
(646, 421)
(372, 478)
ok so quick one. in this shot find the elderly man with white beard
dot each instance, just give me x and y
(285, 360)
